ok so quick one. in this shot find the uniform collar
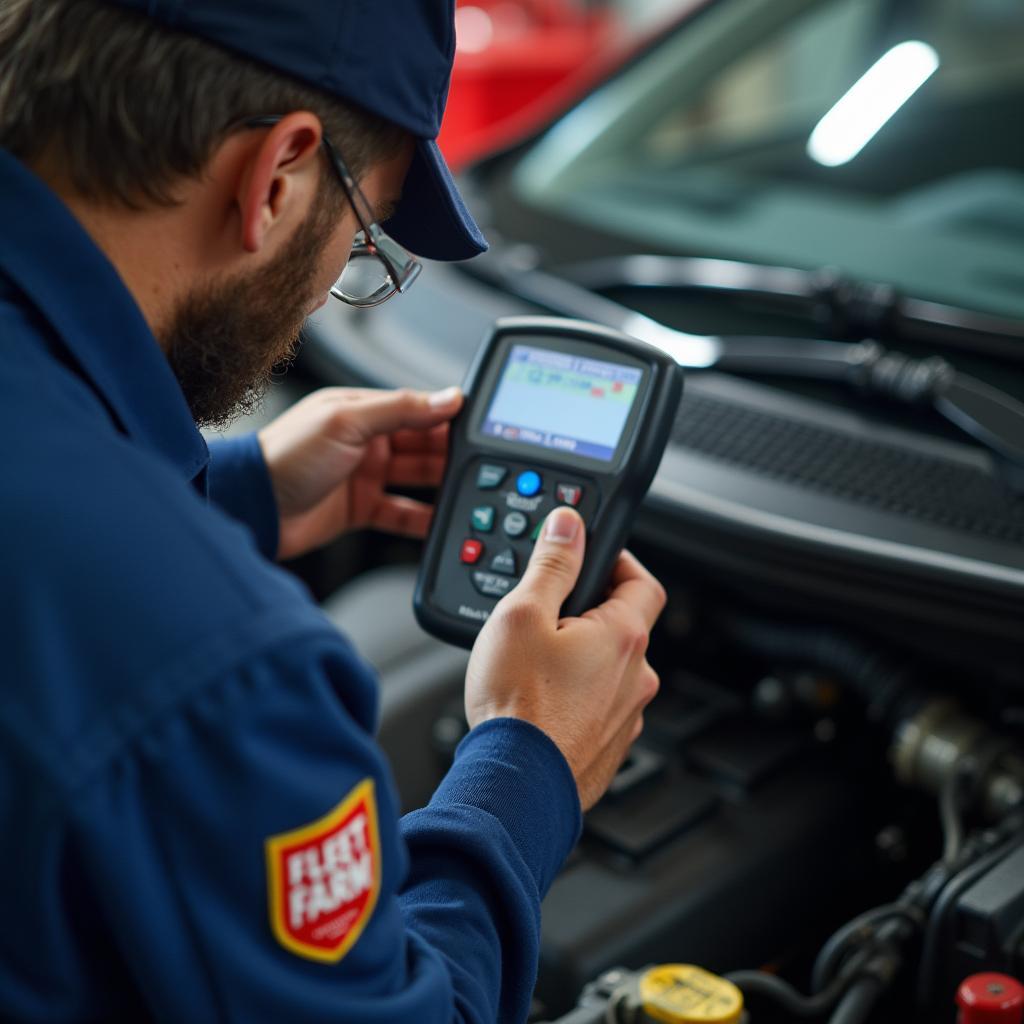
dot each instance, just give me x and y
(50, 257)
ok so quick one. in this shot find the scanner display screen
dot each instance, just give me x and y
(564, 402)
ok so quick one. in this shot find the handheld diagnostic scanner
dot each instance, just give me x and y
(557, 412)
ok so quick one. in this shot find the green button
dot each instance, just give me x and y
(536, 530)
(483, 519)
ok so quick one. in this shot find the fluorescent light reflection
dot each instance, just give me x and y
(861, 114)
(693, 350)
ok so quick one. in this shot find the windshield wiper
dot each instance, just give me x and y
(842, 306)
(992, 417)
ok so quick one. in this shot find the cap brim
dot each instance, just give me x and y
(432, 220)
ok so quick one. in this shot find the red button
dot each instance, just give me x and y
(991, 999)
(569, 494)
(471, 551)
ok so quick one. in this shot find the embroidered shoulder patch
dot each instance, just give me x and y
(324, 878)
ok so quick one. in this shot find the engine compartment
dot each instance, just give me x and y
(846, 776)
(790, 779)
(825, 805)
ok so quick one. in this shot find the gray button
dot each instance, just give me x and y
(491, 585)
(504, 562)
(515, 524)
(490, 476)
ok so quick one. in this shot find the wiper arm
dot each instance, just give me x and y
(507, 270)
(844, 306)
(990, 416)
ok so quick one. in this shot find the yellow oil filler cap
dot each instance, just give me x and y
(684, 994)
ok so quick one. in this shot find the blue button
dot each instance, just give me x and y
(528, 483)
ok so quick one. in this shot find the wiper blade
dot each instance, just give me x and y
(511, 270)
(842, 305)
(990, 416)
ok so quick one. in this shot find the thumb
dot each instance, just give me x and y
(556, 560)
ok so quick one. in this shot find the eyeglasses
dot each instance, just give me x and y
(378, 267)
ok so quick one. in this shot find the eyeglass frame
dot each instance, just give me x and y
(401, 267)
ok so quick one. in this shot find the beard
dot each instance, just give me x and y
(226, 340)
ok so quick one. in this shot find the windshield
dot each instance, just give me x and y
(884, 138)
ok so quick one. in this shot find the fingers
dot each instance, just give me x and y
(433, 441)
(402, 516)
(638, 728)
(634, 588)
(609, 759)
(555, 563)
(415, 470)
(370, 413)
(594, 781)
(418, 457)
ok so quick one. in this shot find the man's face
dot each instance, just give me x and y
(226, 338)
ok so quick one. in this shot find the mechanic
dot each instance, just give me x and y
(197, 822)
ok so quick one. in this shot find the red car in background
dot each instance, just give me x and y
(518, 61)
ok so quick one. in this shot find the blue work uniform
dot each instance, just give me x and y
(197, 823)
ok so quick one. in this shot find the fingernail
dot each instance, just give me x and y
(562, 526)
(442, 398)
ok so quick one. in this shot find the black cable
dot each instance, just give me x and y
(949, 814)
(769, 985)
(861, 929)
(951, 892)
(937, 889)
(962, 788)
(859, 1001)
(761, 984)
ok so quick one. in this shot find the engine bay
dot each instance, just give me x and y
(807, 808)
(825, 809)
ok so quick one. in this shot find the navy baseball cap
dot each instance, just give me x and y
(393, 57)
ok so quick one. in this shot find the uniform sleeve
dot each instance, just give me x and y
(247, 856)
(508, 813)
(239, 484)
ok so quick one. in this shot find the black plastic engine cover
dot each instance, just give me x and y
(721, 851)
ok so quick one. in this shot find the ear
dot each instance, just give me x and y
(280, 178)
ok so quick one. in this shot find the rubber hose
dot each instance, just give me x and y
(859, 1001)
(877, 679)
(775, 988)
(866, 923)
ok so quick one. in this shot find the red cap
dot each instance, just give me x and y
(991, 999)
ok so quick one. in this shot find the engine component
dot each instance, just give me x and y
(938, 741)
(935, 745)
(662, 994)
(718, 817)
(970, 904)
(979, 927)
(990, 999)
(929, 744)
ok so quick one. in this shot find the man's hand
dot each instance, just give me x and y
(333, 455)
(584, 681)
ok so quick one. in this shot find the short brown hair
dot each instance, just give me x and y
(129, 106)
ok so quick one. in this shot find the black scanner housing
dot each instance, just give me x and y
(613, 490)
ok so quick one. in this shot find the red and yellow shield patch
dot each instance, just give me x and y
(324, 878)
